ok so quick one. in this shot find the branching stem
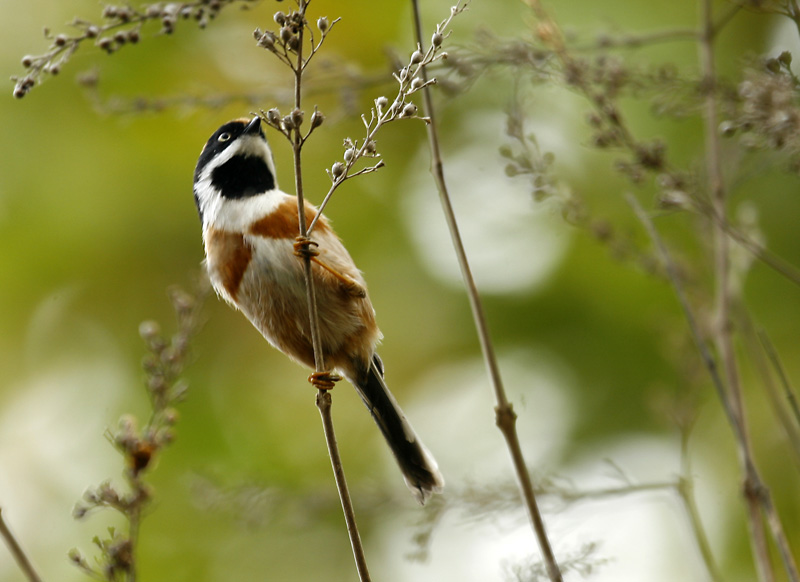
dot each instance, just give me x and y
(755, 487)
(323, 395)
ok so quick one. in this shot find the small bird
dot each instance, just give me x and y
(249, 231)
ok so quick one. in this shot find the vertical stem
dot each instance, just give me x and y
(323, 400)
(756, 487)
(505, 415)
(16, 551)
(324, 405)
(723, 299)
(686, 491)
(297, 146)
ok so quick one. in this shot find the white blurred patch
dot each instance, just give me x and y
(457, 420)
(513, 244)
(52, 444)
(634, 535)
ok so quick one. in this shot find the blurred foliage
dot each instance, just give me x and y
(97, 222)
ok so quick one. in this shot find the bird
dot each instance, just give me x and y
(250, 228)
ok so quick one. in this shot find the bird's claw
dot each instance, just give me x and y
(324, 380)
(303, 247)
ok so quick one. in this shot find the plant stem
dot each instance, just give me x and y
(686, 491)
(297, 147)
(323, 399)
(505, 415)
(16, 551)
(324, 405)
(756, 487)
(723, 299)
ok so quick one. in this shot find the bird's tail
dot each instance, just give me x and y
(418, 466)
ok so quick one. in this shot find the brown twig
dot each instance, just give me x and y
(505, 415)
(16, 551)
(723, 294)
(324, 406)
(321, 379)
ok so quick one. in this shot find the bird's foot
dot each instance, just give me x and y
(324, 380)
(303, 247)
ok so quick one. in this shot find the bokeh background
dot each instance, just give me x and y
(97, 222)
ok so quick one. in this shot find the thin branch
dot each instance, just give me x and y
(505, 416)
(760, 348)
(324, 406)
(16, 551)
(755, 486)
(686, 492)
(122, 27)
(410, 80)
(322, 378)
(775, 360)
(723, 292)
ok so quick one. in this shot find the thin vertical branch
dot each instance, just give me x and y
(505, 415)
(16, 551)
(297, 147)
(323, 400)
(324, 405)
(759, 489)
(788, 391)
(723, 299)
(686, 491)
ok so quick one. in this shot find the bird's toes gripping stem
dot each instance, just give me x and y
(324, 380)
(305, 248)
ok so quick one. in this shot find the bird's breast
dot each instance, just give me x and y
(228, 256)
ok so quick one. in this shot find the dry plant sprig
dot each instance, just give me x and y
(583, 562)
(410, 80)
(163, 366)
(121, 26)
(288, 46)
(484, 503)
(16, 550)
(295, 45)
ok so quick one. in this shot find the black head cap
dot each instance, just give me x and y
(244, 174)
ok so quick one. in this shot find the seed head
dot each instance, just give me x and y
(106, 44)
(297, 118)
(317, 119)
(274, 116)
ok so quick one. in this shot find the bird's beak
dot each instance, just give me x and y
(254, 127)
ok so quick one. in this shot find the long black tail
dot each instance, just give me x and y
(419, 468)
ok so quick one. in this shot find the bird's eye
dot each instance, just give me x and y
(223, 137)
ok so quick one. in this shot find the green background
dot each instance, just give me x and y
(97, 221)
